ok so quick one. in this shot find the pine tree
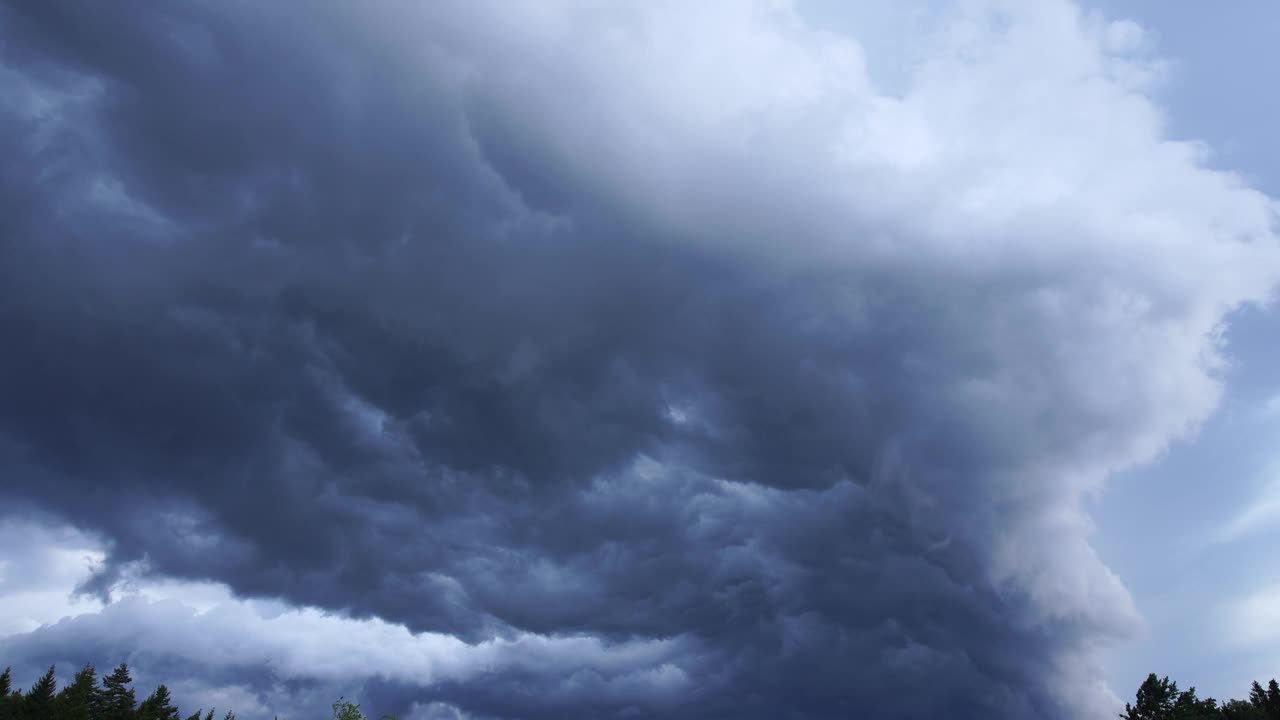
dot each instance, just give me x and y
(118, 701)
(82, 699)
(1188, 707)
(8, 704)
(1257, 696)
(1155, 700)
(38, 702)
(1240, 710)
(1266, 703)
(1273, 699)
(158, 706)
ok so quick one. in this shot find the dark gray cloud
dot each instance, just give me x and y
(496, 322)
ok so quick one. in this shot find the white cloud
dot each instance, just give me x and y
(1022, 160)
(306, 643)
(39, 573)
(159, 621)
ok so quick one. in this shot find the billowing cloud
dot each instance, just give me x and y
(39, 573)
(652, 326)
(265, 648)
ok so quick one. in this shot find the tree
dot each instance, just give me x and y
(1188, 707)
(345, 710)
(1155, 700)
(158, 706)
(1271, 700)
(1159, 699)
(38, 702)
(82, 699)
(1265, 702)
(1241, 710)
(118, 701)
(8, 705)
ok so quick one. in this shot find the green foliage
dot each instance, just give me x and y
(1241, 710)
(345, 710)
(158, 706)
(38, 702)
(118, 701)
(8, 703)
(1159, 699)
(1268, 700)
(82, 699)
(1155, 699)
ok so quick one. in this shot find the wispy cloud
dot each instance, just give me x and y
(1254, 620)
(1262, 514)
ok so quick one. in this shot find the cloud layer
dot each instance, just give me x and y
(612, 330)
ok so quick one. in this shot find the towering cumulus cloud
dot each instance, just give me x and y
(601, 360)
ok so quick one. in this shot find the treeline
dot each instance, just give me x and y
(85, 699)
(113, 699)
(1160, 699)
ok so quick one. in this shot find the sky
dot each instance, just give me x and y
(739, 359)
(1197, 568)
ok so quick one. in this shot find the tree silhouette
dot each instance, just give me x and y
(82, 699)
(118, 701)
(1241, 710)
(1266, 701)
(8, 705)
(158, 706)
(1155, 700)
(38, 702)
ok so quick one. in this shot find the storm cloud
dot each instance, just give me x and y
(641, 360)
